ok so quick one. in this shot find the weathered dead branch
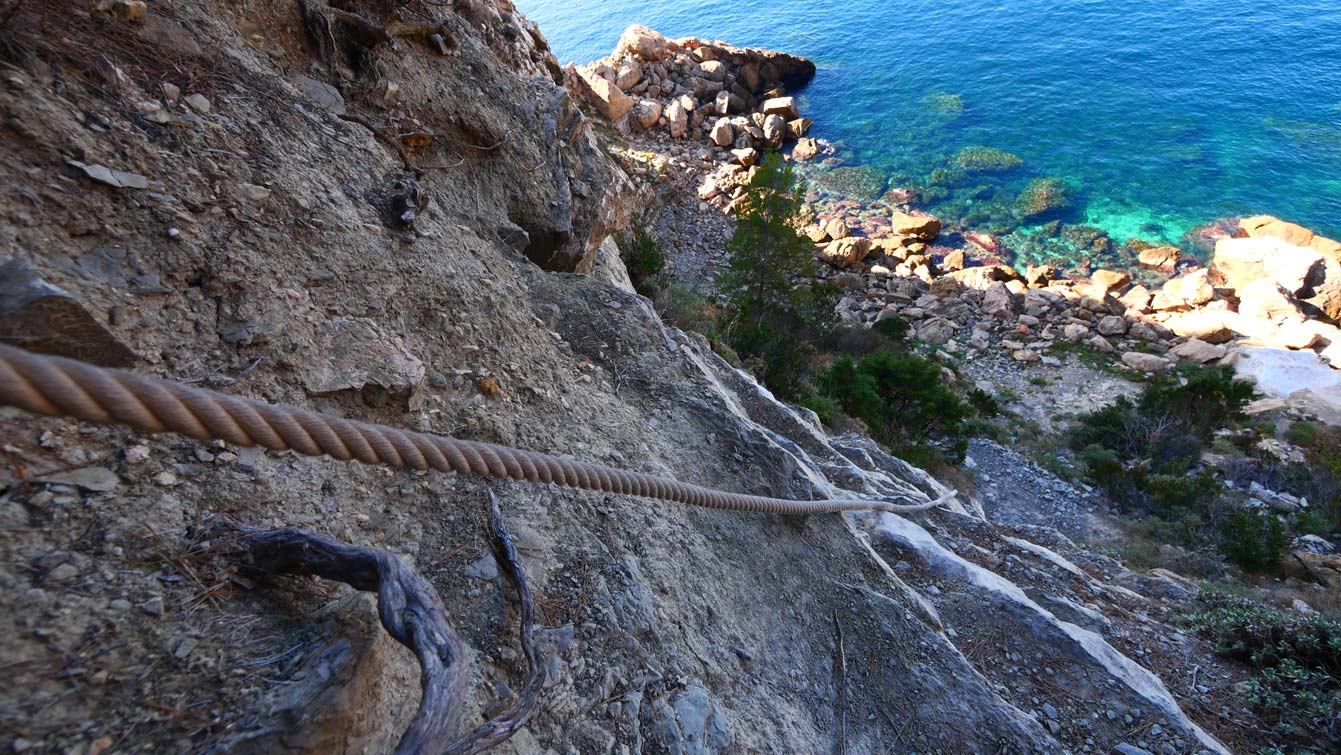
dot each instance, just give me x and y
(413, 614)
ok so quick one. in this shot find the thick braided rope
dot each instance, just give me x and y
(59, 387)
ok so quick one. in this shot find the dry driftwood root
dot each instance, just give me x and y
(412, 613)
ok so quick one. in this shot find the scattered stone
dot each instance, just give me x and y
(128, 11)
(1110, 280)
(357, 353)
(38, 316)
(1160, 257)
(922, 227)
(94, 479)
(1075, 332)
(1198, 351)
(1113, 325)
(1000, 302)
(253, 192)
(721, 133)
(1101, 344)
(1138, 360)
(806, 149)
(198, 102)
(784, 107)
(846, 251)
(325, 95)
(118, 178)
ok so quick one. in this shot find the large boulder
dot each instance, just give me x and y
(1190, 291)
(785, 107)
(1267, 300)
(982, 278)
(603, 94)
(1305, 272)
(806, 149)
(1161, 257)
(922, 227)
(1139, 360)
(1109, 280)
(845, 252)
(1296, 375)
(721, 134)
(645, 113)
(713, 70)
(1000, 302)
(629, 73)
(1211, 326)
(1198, 351)
(1267, 226)
(645, 43)
(775, 130)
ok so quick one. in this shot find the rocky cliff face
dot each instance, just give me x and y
(364, 212)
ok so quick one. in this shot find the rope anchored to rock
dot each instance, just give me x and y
(60, 387)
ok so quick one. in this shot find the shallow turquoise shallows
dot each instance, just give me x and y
(1160, 115)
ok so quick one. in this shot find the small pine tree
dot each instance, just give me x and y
(775, 308)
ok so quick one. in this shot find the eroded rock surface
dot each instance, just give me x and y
(668, 628)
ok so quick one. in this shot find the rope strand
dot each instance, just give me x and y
(56, 386)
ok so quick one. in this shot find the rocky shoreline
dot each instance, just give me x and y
(699, 115)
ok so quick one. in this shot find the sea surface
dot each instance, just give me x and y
(1158, 116)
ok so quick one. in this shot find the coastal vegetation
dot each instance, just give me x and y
(1296, 687)
(1149, 454)
(644, 259)
(779, 319)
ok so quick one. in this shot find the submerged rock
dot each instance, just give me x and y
(1042, 198)
(986, 160)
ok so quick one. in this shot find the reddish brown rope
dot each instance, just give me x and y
(62, 387)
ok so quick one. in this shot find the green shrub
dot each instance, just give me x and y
(1252, 540)
(894, 328)
(984, 403)
(687, 308)
(1117, 427)
(643, 258)
(1175, 453)
(775, 310)
(1297, 690)
(1209, 399)
(1103, 466)
(1168, 494)
(901, 398)
(824, 407)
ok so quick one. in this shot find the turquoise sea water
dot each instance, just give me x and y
(1160, 115)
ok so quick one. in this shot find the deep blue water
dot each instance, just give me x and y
(1162, 115)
